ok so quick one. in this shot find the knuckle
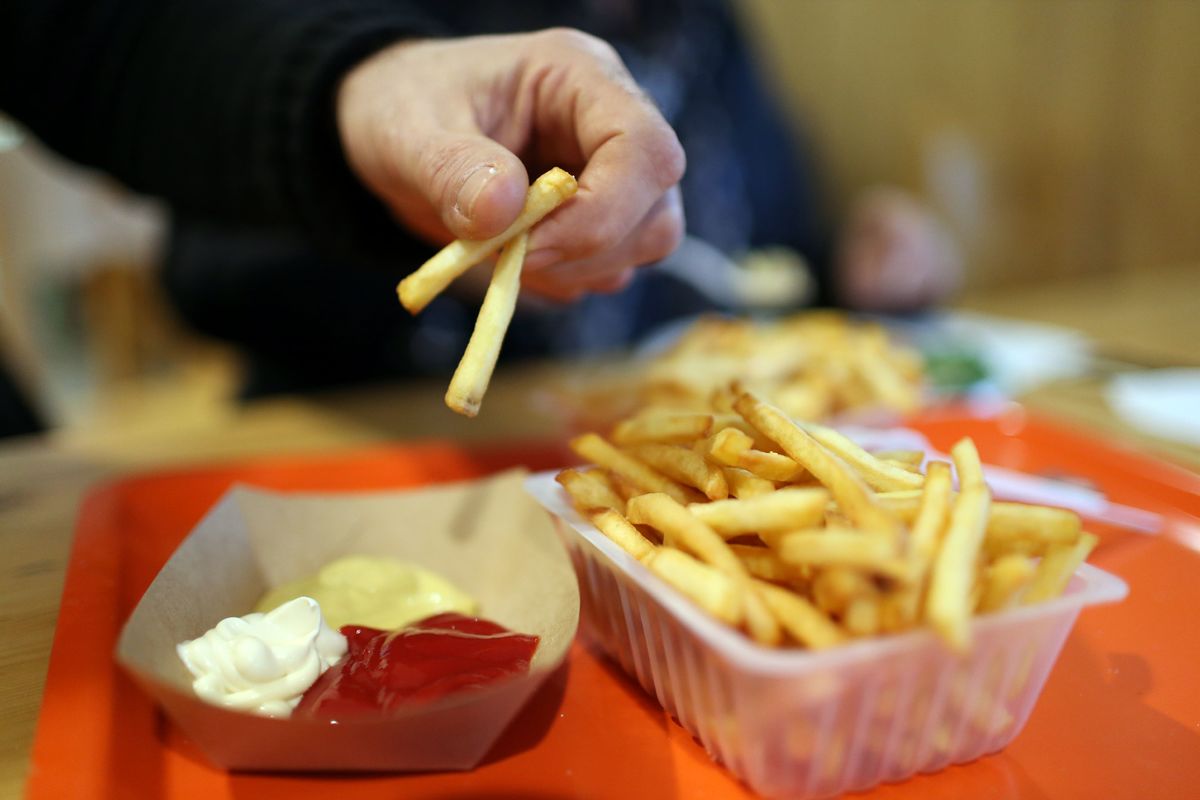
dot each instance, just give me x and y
(666, 156)
(613, 283)
(664, 234)
(595, 238)
(575, 40)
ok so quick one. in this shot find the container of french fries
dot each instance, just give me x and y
(823, 619)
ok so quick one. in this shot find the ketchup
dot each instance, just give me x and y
(387, 670)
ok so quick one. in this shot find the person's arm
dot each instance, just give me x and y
(249, 111)
(223, 107)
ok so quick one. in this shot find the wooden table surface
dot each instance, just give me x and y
(1148, 318)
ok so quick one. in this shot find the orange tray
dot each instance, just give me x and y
(1119, 717)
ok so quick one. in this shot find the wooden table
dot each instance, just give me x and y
(1148, 318)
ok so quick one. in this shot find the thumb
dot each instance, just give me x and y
(476, 186)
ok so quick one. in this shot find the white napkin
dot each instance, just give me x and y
(1163, 403)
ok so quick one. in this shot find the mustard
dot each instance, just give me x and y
(373, 591)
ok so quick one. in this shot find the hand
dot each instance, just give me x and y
(895, 255)
(442, 130)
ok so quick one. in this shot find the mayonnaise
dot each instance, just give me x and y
(263, 663)
(374, 591)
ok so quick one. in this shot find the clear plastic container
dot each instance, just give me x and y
(817, 724)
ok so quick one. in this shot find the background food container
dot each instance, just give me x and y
(805, 724)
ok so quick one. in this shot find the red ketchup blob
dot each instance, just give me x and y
(387, 670)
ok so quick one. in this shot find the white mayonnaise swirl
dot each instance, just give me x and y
(263, 663)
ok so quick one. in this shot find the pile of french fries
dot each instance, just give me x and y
(474, 372)
(811, 365)
(794, 534)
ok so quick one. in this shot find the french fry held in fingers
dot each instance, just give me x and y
(547, 193)
(837, 544)
(474, 371)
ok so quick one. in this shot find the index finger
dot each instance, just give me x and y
(633, 158)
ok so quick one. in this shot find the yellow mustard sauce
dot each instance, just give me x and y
(374, 591)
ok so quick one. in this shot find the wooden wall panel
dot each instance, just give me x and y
(1058, 137)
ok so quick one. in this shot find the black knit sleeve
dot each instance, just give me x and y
(225, 108)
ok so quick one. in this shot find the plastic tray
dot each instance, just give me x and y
(804, 724)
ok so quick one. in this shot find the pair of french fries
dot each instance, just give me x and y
(474, 372)
(795, 534)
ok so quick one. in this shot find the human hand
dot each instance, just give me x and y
(442, 131)
(895, 255)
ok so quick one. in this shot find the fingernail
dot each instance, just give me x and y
(540, 259)
(472, 187)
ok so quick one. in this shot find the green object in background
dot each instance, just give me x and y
(954, 370)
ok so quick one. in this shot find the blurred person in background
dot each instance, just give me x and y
(314, 152)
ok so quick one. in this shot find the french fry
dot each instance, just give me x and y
(684, 465)
(735, 449)
(743, 485)
(878, 474)
(1003, 581)
(761, 624)
(947, 606)
(764, 563)
(625, 535)
(594, 448)
(785, 509)
(623, 487)
(681, 529)
(1056, 568)
(834, 588)
(803, 621)
(923, 540)
(966, 464)
(547, 193)
(1009, 524)
(474, 371)
(931, 517)
(589, 493)
(847, 488)
(603, 477)
(712, 590)
(663, 429)
(1011, 521)
(730, 419)
(862, 615)
(913, 458)
(826, 547)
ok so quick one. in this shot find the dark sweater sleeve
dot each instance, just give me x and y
(224, 108)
